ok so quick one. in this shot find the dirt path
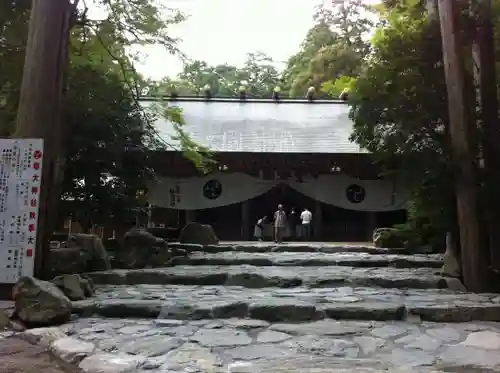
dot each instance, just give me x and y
(19, 356)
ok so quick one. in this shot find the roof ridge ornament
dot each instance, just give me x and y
(276, 93)
(207, 92)
(242, 92)
(311, 93)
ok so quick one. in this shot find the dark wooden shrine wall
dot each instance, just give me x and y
(361, 165)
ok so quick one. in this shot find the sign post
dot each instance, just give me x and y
(20, 180)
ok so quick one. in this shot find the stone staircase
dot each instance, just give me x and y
(289, 308)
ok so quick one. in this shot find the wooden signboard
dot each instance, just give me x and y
(20, 179)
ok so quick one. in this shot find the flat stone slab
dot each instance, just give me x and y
(294, 304)
(285, 277)
(299, 247)
(360, 259)
(321, 346)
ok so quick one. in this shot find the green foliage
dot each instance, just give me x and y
(258, 75)
(400, 114)
(335, 46)
(200, 155)
(107, 162)
(334, 88)
(14, 15)
(109, 133)
(351, 20)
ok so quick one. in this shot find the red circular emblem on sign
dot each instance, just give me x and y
(38, 154)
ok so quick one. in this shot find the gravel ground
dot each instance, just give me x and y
(19, 356)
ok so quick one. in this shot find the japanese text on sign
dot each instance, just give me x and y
(20, 176)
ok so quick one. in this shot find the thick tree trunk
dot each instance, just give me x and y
(483, 52)
(40, 105)
(461, 127)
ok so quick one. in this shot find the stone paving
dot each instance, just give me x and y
(243, 345)
(296, 304)
(311, 259)
(299, 247)
(288, 276)
(267, 308)
(20, 356)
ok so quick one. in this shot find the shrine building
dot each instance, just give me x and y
(293, 152)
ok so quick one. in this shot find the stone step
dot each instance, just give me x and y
(297, 304)
(296, 247)
(285, 277)
(325, 346)
(316, 259)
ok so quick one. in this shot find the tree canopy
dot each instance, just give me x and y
(389, 57)
(258, 75)
(329, 58)
(333, 49)
(399, 110)
(108, 132)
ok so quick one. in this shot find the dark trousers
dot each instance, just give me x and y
(306, 230)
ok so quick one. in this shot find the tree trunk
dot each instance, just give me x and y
(40, 105)
(483, 52)
(462, 128)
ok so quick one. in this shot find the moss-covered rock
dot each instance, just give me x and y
(40, 303)
(389, 238)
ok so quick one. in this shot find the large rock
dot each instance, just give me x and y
(65, 260)
(200, 234)
(40, 303)
(168, 234)
(389, 238)
(84, 253)
(96, 255)
(4, 320)
(74, 286)
(140, 249)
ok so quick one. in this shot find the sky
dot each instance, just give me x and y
(224, 31)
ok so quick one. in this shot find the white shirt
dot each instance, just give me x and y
(306, 216)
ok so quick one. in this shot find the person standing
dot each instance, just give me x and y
(294, 221)
(279, 224)
(259, 229)
(306, 218)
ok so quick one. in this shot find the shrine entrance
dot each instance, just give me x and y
(267, 203)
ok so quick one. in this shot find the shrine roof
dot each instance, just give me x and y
(263, 126)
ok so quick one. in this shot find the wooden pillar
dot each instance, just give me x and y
(39, 109)
(483, 52)
(246, 224)
(475, 268)
(318, 221)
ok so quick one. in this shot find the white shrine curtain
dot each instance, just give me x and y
(353, 194)
(214, 190)
(221, 189)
